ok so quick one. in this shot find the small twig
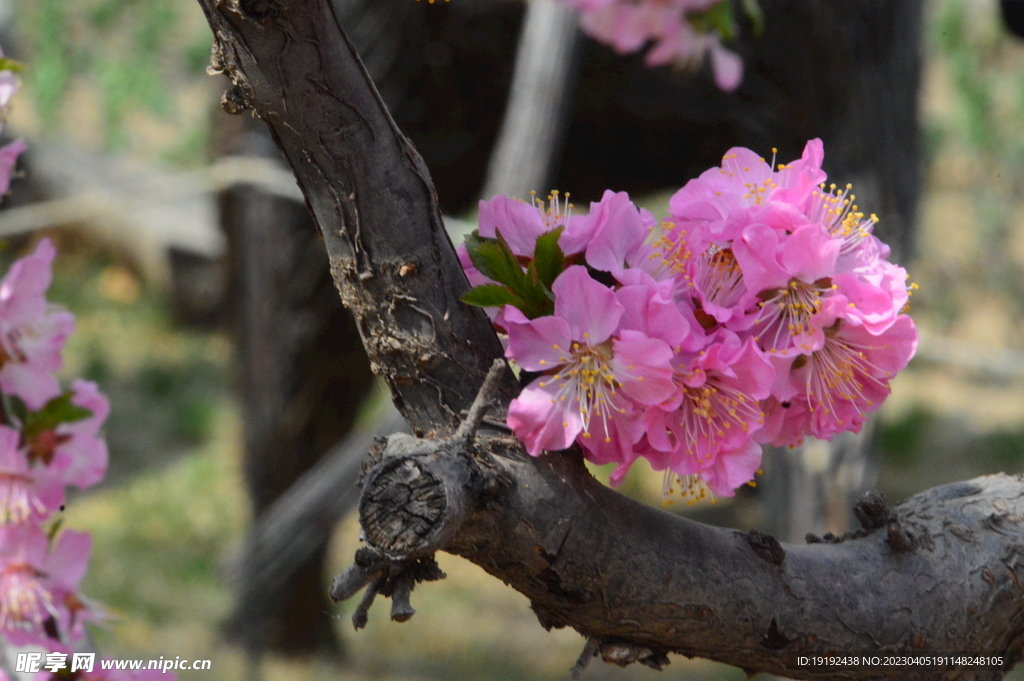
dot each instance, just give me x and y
(478, 409)
(361, 616)
(589, 652)
(401, 608)
(352, 580)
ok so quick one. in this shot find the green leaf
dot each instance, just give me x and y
(548, 259)
(10, 65)
(756, 15)
(495, 260)
(717, 18)
(55, 412)
(491, 295)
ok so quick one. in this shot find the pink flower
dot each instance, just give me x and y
(591, 378)
(9, 154)
(8, 86)
(78, 453)
(746, 180)
(613, 233)
(628, 26)
(790, 276)
(785, 422)
(848, 376)
(65, 568)
(520, 223)
(31, 335)
(25, 601)
(704, 432)
(38, 583)
(27, 492)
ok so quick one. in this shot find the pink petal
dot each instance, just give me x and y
(810, 253)
(727, 67)
(618, 232)
(589, 306)
(520, 223)
(733, 468)
(643, 367)
(755, 252)
(536, 345)
(68, 560)
(541, 421)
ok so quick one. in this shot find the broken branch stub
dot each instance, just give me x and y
(419, 491)
(416, 496)
(415, 499)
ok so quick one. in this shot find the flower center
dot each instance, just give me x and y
(839, 371)
(558, 210)
(718, 277)
(709, 411)
(692, 488)
(839, 214)
(669, 246)
(786, 312)
(586, 376)
(17, 500)
(24, 603)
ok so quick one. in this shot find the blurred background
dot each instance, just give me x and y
(206, 315)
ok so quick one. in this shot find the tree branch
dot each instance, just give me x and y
(942, 573)
(371, 197)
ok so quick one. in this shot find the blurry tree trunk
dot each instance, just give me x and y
(868, 120)
(303, 373)
(529, 145)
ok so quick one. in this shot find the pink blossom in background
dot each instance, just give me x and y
(25, 599)
(79, 455)
(761, 310)
(38, 582)
(8, 86)
(27, 492)
(9, 153)
(32, 335)
(65, 568)
(628, 26)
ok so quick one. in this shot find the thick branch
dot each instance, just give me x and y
(944, 573)
(371, 197)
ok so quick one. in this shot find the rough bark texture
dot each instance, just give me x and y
(943, 573)
(400, 277)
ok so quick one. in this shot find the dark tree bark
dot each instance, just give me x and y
(303, 374)
(942, 572)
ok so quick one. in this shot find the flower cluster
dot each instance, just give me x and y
(761, 310)
(49, 439)
(680, 31)
(8, 153)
